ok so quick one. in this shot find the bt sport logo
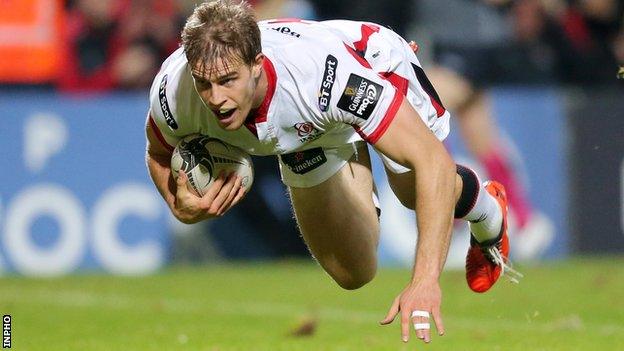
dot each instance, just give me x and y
(164, 104)
(329, 76)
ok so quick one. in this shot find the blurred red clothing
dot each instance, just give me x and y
(91, 46)
(97, 34)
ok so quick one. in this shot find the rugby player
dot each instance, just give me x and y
(315, 93)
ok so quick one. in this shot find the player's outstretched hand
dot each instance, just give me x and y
(225, 192)
(418, 303)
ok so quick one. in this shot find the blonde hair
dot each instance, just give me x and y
(221, 30)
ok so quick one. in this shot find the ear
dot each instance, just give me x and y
(257, 66)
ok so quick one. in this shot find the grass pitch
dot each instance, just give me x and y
(569, 305)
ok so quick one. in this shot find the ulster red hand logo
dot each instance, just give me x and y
(306, 131)
(304, 128)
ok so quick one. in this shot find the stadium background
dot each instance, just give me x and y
(75, 196)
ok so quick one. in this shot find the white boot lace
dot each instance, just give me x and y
(506, 267)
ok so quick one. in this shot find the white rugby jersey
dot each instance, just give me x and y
(329, 83)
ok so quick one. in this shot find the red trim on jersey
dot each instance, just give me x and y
(397, 81)
(439, 109)
(401, 85)
(387, 119)
(360, 132)
(159, 135)
(359, 58)
(367, 30)
(260, 114)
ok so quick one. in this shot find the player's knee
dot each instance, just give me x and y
(351, 279)
(353, 282)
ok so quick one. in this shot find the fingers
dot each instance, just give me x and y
(223, 194)
(422, 327)
(419, 305)
(437, 317)
(214, 189)
(405, 325)
(239, 196)
(181, 188)
(231, 195)
(420, 319)
(392, 312)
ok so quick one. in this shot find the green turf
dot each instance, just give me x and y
(571, 305)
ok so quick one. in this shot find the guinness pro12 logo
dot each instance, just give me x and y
(360, 96)
(329, 76)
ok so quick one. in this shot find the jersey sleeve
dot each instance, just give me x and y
(161, 113)
(161, 117)
(350, 92)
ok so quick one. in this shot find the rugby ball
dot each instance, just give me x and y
(203, 158)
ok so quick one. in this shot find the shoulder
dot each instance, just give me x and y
(294, 40)
(304, 50)
(171, 90)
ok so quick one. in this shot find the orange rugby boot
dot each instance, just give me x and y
(487, 261)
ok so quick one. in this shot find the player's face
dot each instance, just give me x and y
(230, 90)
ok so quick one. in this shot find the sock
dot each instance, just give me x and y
(478, 207)
(498, 167)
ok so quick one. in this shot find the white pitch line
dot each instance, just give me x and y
(80, 299)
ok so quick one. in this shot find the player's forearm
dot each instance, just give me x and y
(435, 201)
(410, 142)
(160, 172)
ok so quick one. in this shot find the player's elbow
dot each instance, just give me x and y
(194, 218)
(437, 160)
(181, 216)
(186, 220)
(447, 164)
(445, 170)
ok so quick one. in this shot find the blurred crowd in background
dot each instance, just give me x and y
(93, 45)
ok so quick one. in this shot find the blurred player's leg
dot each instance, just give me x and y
(482, 138)
(480, 134)
(484, 206)
(533, 231)
(339, 222)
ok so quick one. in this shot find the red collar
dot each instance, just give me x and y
(260, 114)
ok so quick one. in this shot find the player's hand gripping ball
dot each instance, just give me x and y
(203, 158)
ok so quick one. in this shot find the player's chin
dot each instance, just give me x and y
(232, 122)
